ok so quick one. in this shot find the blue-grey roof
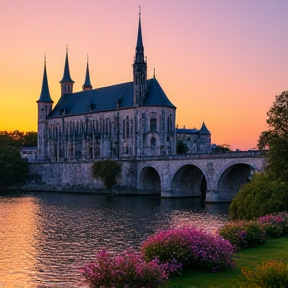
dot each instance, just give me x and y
(107, 98)
(45, 94)
(187, 131)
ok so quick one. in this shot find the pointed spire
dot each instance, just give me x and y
(139, 69)
(66, 75)
(139, 37)
(204, 130)
(139, 57)
(45, 94)
(87, 84)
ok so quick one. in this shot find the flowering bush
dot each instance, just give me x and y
(269, 274)
(127, 269)
(275, 225)
(242, 234)
(189, 247)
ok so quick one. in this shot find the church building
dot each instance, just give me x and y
(133, 119)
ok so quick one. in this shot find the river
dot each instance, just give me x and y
(46, 237)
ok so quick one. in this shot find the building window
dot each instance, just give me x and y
(127, 127)
(123, 132)
(153, 141)
(153, 124)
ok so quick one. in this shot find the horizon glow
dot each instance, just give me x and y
(221, 62)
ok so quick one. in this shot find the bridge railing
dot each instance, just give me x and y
(236, 154)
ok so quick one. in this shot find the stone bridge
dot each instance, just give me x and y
(215, 177)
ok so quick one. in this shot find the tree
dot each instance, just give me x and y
(259, 197)
(107, 171)
(180, 148)
(221, 148)
(18, 139)
(13, 169)
(268, 192)
(276, 138)
(30, 139)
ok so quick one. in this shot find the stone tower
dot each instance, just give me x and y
(44, 108)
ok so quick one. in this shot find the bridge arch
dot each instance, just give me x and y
(149, 180)
(188, 180)
(232, 179)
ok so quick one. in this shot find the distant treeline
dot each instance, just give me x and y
(18, 139)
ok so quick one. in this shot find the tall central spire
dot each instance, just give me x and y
(139, 45)
(139, 69)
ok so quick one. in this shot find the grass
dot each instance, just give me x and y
(274, 249)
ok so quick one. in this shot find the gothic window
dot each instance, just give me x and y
(153, 124)
(123, 127)
(131, 125)
(127, 127)
(163, 121)
(107, 127)
(153, 141)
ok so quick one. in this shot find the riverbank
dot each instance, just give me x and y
(274, 249)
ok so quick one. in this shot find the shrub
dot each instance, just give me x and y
(127, 269)
(275, 225)
(270, 274)
(107, 171)
(259, 197)
(242, 234)
(190, 247)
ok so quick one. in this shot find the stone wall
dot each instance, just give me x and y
(77, 177)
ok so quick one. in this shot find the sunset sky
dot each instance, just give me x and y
(221, 61)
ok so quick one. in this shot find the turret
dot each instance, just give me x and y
(139, 69)
(87, 84)
(66, 82)
(203, 130)
(44, 108)
(45, 102)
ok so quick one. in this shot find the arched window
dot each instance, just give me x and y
(123, 127)
(127, 127)
(153, 124)
(153, 141)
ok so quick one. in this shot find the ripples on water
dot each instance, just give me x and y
(46, 237)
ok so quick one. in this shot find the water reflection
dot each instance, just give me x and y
(46, 237)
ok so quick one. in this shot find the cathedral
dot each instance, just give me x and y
(133, 119)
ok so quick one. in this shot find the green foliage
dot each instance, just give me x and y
(18, 139)
(13, 169)
(243, 234)
(107, 171)
(221, 148)
(180, 147)
(267, 275)
(276, 138)
(259, 197)
(268, 193)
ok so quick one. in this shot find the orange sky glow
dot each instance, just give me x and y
(219, 61)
